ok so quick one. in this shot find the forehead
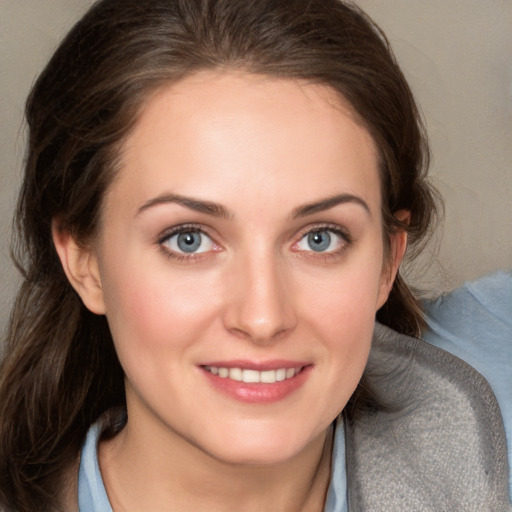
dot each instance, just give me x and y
(247, 138)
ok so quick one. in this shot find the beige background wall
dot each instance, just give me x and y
(457, 55)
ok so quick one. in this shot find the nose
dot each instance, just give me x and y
(261, 305)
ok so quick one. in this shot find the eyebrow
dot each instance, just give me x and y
(217, 210)
(197, 205)
(327, 203)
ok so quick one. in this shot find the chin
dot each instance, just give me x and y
(253, 445)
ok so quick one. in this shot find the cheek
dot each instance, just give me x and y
(347, 296)
(148, 309)
(345, 319)
(341, 312)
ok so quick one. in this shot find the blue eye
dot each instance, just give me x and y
(189, 242)
(321, 240)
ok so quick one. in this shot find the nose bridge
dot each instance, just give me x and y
(261, 307)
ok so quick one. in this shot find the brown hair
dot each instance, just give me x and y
(60, 370)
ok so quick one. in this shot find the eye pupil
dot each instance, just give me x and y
(189, 242)
(319, 240)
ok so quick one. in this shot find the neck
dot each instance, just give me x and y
(140, 474)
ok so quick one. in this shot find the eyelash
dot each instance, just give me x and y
(194, 228)
(178, 256)
(347, 241)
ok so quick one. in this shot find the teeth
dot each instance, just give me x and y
(253, 376)
(268, 376)
(235, 374)
(250, 376)
(280, 374)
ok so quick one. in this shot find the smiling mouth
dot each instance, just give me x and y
(254, 376)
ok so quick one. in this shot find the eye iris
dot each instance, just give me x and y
(189, 242)
(319, 240)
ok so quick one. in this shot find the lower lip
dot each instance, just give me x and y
(258, 392)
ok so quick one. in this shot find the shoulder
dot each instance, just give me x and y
(474, 323)
(435, 441)
(472, 308)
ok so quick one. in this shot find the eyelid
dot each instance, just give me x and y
(180, 228)
(327, 226)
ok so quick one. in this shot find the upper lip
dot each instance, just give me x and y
(274, 364)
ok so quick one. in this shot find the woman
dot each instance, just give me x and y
(217, 199)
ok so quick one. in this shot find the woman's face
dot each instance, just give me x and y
(242, 239)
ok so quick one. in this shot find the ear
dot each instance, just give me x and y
(81, 268)
(398, 246)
